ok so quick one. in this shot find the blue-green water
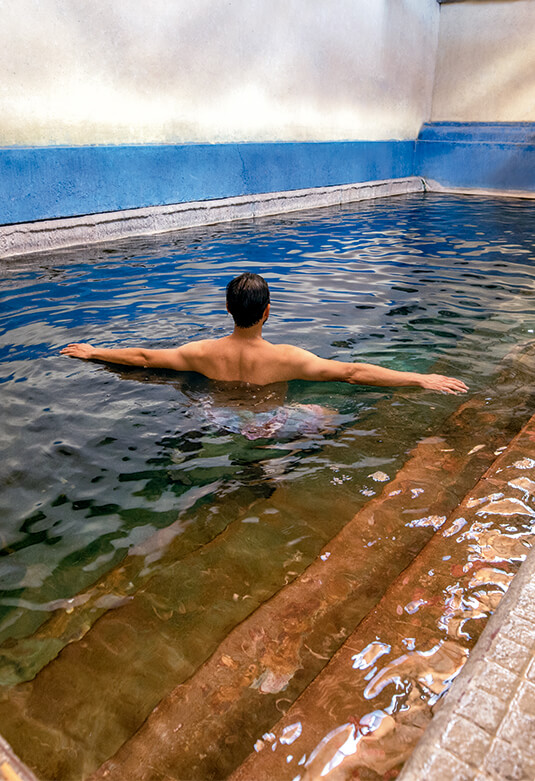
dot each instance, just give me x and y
(97, 458)
(137, 528)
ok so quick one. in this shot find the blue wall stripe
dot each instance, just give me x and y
(496, 156)
(479, 132)
(39, 183)
(47, 182)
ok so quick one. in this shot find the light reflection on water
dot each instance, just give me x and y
(113, 476)
(381, 697)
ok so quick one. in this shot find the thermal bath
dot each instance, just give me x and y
(142, 529)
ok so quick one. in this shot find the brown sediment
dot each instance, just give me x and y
(364, 713)
(201, 729)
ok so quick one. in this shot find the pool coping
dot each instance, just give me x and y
(46, 235)
(56, 234)
(495, 687)
(432, 186)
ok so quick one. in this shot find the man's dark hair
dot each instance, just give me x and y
(247, 299)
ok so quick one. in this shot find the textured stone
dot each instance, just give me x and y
(509, 654)
(524, 611)
(508, 762)
(482, 708)
(495, 679)
(530, 673)
(466, 740)
(440, 765)
(525, 697)
(520, 630)
(519, 727)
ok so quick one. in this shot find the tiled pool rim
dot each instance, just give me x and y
(497, 685)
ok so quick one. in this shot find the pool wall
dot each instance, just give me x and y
(485, 62)
(495, 156)
(51, 182)
(152, 72)
(133, 117)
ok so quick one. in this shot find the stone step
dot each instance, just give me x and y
(202, 730)
(22, 658)
(363, 715)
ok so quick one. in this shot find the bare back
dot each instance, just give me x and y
(231, 359)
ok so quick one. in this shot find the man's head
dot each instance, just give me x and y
(247, 299)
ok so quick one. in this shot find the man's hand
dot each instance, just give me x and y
(83, 350)
(438, 382)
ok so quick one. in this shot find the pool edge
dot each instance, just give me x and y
(432, 186)
(482, 730)
(45, 235)
(11, 767)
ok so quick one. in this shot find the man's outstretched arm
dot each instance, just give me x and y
(175, 358)
(309, 367)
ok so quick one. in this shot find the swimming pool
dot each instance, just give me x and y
(139, 526)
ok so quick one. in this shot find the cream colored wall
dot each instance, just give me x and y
(486, 62)
(181, 71)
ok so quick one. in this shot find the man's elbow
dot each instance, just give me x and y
(144, 358)
(351, 375)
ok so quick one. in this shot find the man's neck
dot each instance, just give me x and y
(248, 334)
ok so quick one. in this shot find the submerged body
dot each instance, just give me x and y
(245, 356)
(248, 358)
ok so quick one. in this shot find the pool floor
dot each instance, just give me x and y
(364, 701)
(173, 593)
(386, 614)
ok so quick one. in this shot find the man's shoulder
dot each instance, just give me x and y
(199, 346)
(290, 353)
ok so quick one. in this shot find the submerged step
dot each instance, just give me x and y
(201, 730)
(368, 708)
(97, 693)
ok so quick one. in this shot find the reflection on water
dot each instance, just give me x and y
(132, 496)
(382, 696)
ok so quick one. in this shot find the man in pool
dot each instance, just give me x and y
(246, 357)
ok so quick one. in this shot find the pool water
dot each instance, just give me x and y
(138, 520)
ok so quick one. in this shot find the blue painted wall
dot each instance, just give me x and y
(39, 183)
(489, 155)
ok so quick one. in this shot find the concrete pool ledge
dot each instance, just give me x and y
(46, 235)
(433, 186)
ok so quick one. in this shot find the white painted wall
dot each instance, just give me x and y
(486, 62)
(181, 71)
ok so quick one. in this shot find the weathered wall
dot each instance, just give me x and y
(108, 105)
(485, 68)
(478, 155)
(77, 72)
